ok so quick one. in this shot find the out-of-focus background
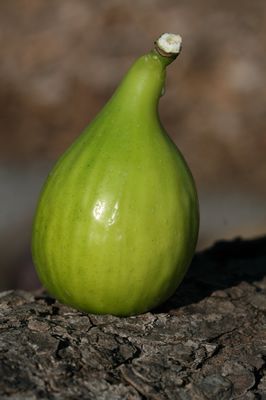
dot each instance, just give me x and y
(61, 61)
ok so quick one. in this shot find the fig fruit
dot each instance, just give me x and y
(117, 220)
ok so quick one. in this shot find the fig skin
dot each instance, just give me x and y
(117, 220)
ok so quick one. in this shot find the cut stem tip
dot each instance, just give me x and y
(169, 44)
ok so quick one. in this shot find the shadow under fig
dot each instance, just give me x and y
(225, 264)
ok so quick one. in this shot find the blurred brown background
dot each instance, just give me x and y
(60, 62)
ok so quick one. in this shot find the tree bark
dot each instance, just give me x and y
(207, 342)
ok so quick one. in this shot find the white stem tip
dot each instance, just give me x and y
(169, 43)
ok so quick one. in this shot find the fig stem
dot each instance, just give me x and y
(168, 46)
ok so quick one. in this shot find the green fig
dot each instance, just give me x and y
(117, 220)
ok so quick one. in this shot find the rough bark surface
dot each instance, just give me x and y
(207, 342)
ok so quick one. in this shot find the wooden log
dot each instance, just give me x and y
(207, 342)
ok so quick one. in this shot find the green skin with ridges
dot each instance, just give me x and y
(117, 220)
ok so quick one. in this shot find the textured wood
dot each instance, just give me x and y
(207, 342)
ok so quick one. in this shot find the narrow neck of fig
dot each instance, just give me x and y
(143, 85)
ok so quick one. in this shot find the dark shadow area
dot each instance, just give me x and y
(225, 264)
